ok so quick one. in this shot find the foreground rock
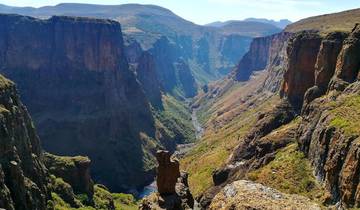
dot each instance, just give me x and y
(173, 188)
(168, 173)
(244, 194)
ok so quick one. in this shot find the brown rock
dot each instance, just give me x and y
(348, 63)
(327, 57)
(73, 170)
(302, 52)
(168, 173)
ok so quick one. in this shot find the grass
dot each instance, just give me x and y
(290, 172)
(103, 200)
(343, 21)
(216, 146)
(175, 118)
(346, 115)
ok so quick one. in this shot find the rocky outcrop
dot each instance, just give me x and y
(348, 63)
(171, 69)
(302, 54)
(330, 146)
(167, 174)
(326, 60)
(255, 59)
(328, 133)
(265, 53)
(255, 149)
(23, 177)
(73, 75)
(173, 188)
(73, 170)
(277, 62)
(147, 76)
(249, 195)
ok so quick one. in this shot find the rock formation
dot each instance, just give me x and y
(23, 176)
(249, 195)
(255, 59)
(302, 52)
(73, 170)
(173, 188)
(73, 75)
(167, 173)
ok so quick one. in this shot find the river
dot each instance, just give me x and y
(181, 150)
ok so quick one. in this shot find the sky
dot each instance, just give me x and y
(206, 11)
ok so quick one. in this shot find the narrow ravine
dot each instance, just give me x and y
(181, 151)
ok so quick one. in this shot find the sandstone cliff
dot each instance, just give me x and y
(73, 75)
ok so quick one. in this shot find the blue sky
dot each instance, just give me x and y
(205, 11)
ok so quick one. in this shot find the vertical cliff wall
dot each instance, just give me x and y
(73, 76)
(328, 133)
(23, 177)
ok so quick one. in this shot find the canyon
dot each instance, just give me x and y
(232, 115)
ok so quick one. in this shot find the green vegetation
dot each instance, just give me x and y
(124, 201)
(63, 162)
(175, 118)
(346, 115)
(290, 172)
(102, 199)
(218, 143)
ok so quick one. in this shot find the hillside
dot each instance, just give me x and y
(342, 21)
(286, 126)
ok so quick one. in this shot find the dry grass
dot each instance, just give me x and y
(224, 129)
(291, 173)
(343, 21)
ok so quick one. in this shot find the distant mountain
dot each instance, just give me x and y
(279, 24)
(249, 28)
(183, 52)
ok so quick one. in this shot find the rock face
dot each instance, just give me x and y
(244, 195)
(302, 52)
(348, 63)
(277, 62)
(255, 149)
(255, 59)
(265, 53)
(23, 177)
(74, 77)
(73, 170)
(173, 188)
(168, 173)
(328, 133)
(172, 70)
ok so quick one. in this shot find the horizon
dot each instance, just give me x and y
(222, 10)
